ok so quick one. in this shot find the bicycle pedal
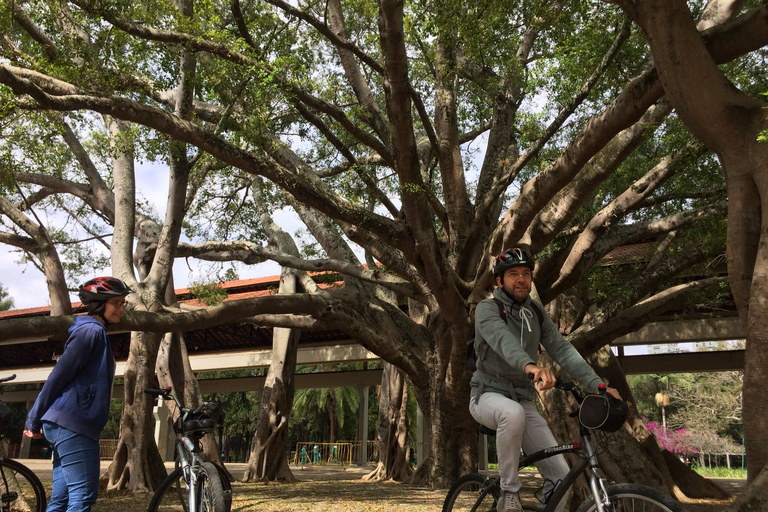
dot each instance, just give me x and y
(9, 497)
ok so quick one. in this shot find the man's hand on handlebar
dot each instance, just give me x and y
(543, 378)
(614, 393)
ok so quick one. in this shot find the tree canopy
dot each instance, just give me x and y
(6, 301)
(414, 141)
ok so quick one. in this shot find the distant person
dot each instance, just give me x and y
(501, 396)
(73, 406)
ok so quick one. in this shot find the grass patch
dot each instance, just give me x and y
(735, 473)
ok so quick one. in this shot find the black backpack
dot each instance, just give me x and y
(472, 354)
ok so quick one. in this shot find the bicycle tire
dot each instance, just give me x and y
(635, 497)
(212, 497)
(171, 496)
(465, 495)
(226, 485)
(20, 489)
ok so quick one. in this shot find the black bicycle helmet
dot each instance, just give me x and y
(514, 257)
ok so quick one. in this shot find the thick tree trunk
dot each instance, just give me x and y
(137, 465)
(452, 444)
(729, 122)
(755, 410)
(690, 482)
(752, 499)
(269, 460)
(392, 428)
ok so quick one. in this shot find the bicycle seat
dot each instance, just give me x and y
(482, 429)
(202, 425)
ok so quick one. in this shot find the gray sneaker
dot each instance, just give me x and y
(509, 502)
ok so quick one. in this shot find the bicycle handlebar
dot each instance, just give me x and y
(6, 379)
(567, 385)
(168, 394)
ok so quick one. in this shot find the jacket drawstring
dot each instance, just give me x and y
(525, 316)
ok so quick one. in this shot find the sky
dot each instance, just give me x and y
(25, 284)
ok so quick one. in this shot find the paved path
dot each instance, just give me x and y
(42, 468)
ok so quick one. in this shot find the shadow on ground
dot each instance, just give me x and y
(324, 488)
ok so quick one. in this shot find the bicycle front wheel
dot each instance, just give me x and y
(472, 493)
(20, 489)
(631, 497)
(212, 495)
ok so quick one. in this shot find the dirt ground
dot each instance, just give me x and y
(325, 488)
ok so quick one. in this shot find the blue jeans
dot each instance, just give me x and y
(75, 470)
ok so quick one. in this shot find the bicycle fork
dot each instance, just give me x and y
(596, 482)
(193, 490)
(183, 448)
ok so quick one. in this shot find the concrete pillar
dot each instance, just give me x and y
(26, 442)
(164, 435)
(362, 425)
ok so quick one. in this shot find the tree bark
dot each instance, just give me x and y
(690, 482)
(681, 481)
(173, 369)
(392, 428)
(269, 458)
(729, 122)
(444, 401)
(137, 465)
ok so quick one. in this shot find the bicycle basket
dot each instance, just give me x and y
(603, 412)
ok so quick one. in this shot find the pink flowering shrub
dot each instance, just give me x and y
(675, 441)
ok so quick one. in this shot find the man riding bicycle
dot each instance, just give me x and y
(502, 394)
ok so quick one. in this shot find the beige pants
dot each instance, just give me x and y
(519, 425)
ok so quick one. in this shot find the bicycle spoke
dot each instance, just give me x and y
(470, 495)
(18, 493)
(173, 497)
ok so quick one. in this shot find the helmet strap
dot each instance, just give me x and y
(102, 317)
(98, 308)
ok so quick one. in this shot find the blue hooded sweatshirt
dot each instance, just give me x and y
(77, 393)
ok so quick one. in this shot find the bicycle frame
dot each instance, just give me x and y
(589, 460)
(187, 446)
(190, 462)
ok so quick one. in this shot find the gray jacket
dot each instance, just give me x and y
(504, 349)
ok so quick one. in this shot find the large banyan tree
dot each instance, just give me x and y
(414, 141)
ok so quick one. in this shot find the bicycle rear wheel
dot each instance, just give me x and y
(212, 497)
(20, 489)
(472, 493)
(630, 497)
